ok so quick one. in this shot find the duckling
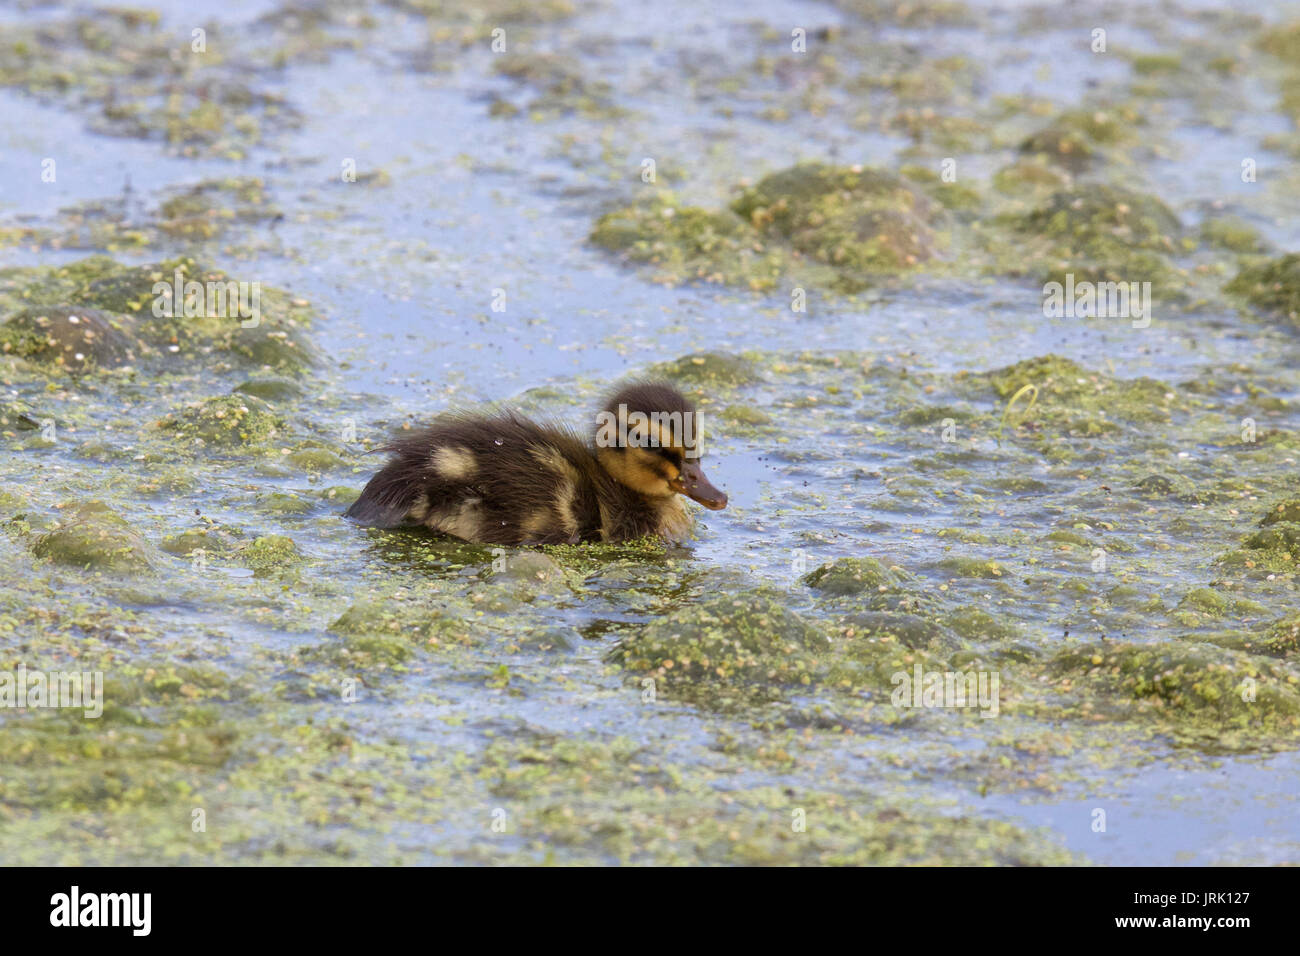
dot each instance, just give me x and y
(502, 479)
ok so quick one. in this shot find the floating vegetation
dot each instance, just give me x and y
(981, 562)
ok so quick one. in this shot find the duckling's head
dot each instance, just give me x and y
(650, 438)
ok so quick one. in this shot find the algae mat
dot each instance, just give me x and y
(1008, 576)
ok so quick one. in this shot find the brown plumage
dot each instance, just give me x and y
(502, 479)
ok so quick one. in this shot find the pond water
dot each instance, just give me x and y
(316, 692)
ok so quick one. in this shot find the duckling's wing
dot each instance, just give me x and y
(515, 454)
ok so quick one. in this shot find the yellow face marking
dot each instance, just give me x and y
(655, 468)
(639, 469)
(455, 464)
(673, 470)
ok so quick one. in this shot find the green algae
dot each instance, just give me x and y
(1063, 536)
(1288, 510)
(1073, 140)
(846, 229)
(855, 219)
(1104, 233)
(1207, 601)
(852, 576)
(1077, 401)
(967, 567)
(708, 370)
(533, 569)
(652, 821)
(207, 209)
(544, 787)
(365, 653)
(561, 85)
(135, 767)
(852, 223)
(272, 554)
(286, 505)
(1276, 547)
(1272, 286)
(205, 325)
(687, 243)
(224, 421)
(581, 560)
(723, 647)
(411, 620)
(1232, 234)
(315, 458)
(907, 630)
(1282, 41)
(68, 337)
(209, 540)
(139, 80)
(957, 197)
(17, 417)
(298, 786)
(1149, 64)
(745, 415)
(941, 13)
(1202, 605)
(94, 537)
(866, 583)
(443, 14)
(210, 317)
(931, 414)
(1036, 177)
(1196, 691)
(102, 224)
(1281, 640)
(190, 216)
(271, 388)
(975, 624)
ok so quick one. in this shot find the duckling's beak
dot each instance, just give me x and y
(692, 483)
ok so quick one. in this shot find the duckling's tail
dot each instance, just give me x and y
(386, 500)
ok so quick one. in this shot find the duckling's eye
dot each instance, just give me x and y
(674, 458)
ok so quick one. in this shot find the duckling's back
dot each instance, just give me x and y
(497, 479)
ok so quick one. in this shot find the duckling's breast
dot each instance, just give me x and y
(675, 521)
(464, 519)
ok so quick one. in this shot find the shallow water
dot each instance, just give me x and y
(515, 707)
